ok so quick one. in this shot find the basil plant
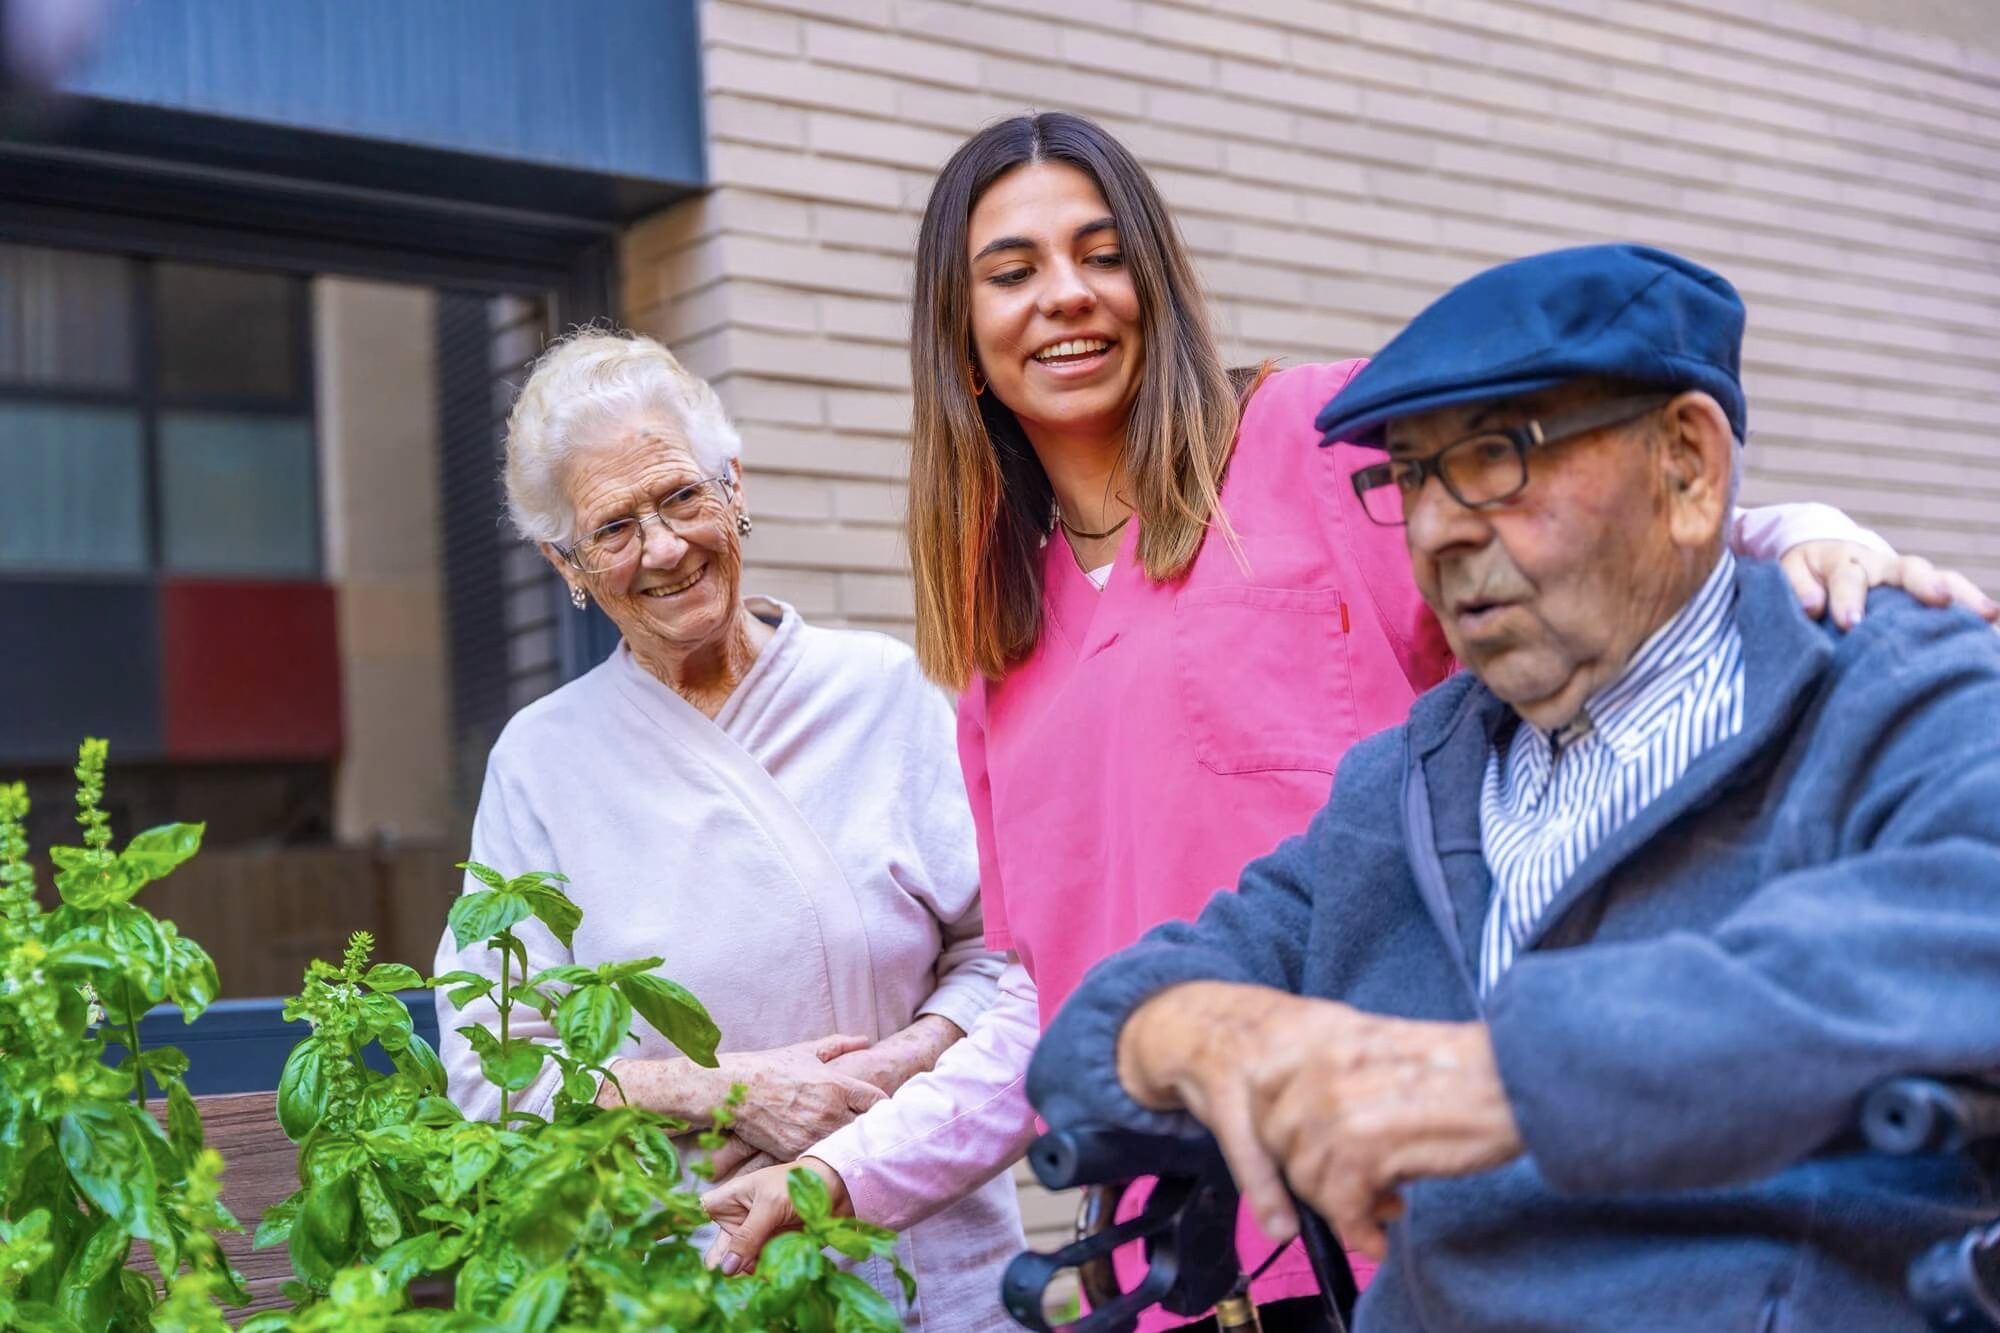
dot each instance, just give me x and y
(86, 1171)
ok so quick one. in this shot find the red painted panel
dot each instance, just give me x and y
(252, 670)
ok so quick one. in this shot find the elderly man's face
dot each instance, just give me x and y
(1547, 596)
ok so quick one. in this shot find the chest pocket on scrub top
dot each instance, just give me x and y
(1263, 677)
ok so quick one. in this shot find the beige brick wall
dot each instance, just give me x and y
(1336, 164)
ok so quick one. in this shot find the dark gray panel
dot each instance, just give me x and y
(82, 659)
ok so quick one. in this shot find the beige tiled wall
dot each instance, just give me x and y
(375, 385)
(1336, 164)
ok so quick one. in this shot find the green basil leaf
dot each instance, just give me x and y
(620, 971)
(268, 1321)
(407, 1259)
(843, 1242)
(276, 1224)
(437, 1111)
(554, 910)
(790, 1261)
(142, 949)
(40, 1317)
(387, 1020)
(393, 977)
(78, 952)
(472, 1157)
(328, 1219)
(809, 1197)
(302, 1089)
(460, 996)
(378, 1214)
(447, 1250)
(92, 1281)
(486, 875)
(137, 1292)
(481, 916)
(155, 853)
(358, 1288)
(183, 1119)
(513, 1064)
(89, 880)
(592, 1021)
(192, 982)
(106, 1153)
(486, 1279)
(332, 1159)
(569, 974)
(164, 1062)
(580, 1085)
(534, 1305)
(675, 1014)
(314, 1266)
(859, 1308)
(421, 1064)
(481, 1038)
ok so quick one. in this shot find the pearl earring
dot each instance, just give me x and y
(577, 598)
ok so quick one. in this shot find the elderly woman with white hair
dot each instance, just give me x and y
(775, 809)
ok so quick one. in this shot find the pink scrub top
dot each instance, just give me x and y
(1162, 736)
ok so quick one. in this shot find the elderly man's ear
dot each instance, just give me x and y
(1698, 460)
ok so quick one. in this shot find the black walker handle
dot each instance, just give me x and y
(1188, 1225)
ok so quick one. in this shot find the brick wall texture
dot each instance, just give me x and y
(1335, 165)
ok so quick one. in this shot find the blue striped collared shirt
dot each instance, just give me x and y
(1549, 800)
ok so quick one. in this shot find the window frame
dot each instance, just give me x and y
(148, 398)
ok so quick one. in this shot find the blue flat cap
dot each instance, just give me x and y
(1621, 311)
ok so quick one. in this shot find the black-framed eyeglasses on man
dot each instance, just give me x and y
(693, 505)
(1491, 467)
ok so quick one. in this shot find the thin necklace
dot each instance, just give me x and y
(1083, 536)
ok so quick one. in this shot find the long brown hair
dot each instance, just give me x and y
(979, 501)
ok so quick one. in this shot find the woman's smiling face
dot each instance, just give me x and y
(671, 591)
(1055, 317)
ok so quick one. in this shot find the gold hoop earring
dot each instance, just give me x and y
(577, 597)
(974, 380)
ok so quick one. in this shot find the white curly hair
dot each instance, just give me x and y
(587, 388)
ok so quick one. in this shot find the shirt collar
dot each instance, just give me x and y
(1620, 713)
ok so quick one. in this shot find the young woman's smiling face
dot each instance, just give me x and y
(1055, 317)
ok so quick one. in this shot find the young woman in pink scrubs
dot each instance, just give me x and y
(1165, 613)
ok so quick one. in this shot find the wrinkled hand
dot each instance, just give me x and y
(1342, 1106)
(901, 1056)
(735, 1158)
(1837, 575)
(757, 1206)
(793, 1097)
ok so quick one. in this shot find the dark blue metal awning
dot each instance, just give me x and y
(589, 107)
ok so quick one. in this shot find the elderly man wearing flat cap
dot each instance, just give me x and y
(1568, 996)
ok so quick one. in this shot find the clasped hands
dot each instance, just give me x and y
(1343, 1106)
(794, 1096)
